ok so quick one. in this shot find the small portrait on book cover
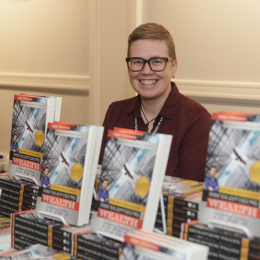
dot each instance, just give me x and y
(103, 194)
(45, 180)
(211, 183)
(14, 144)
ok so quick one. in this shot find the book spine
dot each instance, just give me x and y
(212, 244)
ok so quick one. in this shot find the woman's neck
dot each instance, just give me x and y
(152, 107)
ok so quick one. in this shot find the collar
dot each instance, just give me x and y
(167, 110)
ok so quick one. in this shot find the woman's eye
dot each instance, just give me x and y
(158, 61)
(138, 62)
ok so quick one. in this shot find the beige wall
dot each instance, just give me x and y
(44, 50)
(113, 46)
(217, 44)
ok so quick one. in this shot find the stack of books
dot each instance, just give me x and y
(181, 200)
(29, 229)
(223, 244)
(149, 246)
(17, 195)
(89, 244)
(63, 237)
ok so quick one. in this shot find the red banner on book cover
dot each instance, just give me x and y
(120, 218)
(116, 134)
(27, 164)
(68, 204)
(232, 207)
(59, 126)
(23, 98)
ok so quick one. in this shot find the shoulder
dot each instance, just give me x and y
(194, 113)
(191, 106)
(119, 109)
(123, 104)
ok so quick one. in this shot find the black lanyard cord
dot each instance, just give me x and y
(156, 128)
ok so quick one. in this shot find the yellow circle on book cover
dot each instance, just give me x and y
(4, 219)
(39, 137)
(142, 186)
(255, 171)
(190, 183)
(76, 172)
(61, 256)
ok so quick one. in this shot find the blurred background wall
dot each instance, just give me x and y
(76, 49)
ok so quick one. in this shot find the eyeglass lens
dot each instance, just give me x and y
(156, 64)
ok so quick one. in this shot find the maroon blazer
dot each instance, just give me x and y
(185, 119)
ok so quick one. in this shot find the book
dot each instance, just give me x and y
(7, 251)
(29, 124)
(219, 246)
(231, 196)
(57, 104)
(181, 199)
(70, 160)
(174, 187)
(39, 252)
(220, 234)
(130, 183)
(146, 245)
(230, 211)
(89, 243)
(63, 237)
(233, 158)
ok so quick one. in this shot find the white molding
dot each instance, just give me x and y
(73, 84)
(94, 60)
(234, 99)
(212, 92)
(224, 84)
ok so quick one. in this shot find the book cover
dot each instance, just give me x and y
(68, 173)
(39, 252)
(29, 125)
(233, 158)
(57, 104)
(132, 166)
(230, 211)
(145, 245)
(174, 187)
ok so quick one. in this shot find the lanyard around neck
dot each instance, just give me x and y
(156, 128)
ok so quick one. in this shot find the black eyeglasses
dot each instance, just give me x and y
(156, 64)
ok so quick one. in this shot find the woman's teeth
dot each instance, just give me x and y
(148, 82)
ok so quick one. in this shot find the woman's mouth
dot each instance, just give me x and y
(148, 83)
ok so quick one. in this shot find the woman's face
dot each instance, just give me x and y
(147, 83)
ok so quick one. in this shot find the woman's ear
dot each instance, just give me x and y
(175, 65)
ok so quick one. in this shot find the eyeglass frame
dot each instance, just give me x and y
(148, 61)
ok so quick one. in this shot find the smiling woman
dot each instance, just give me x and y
(159, 107)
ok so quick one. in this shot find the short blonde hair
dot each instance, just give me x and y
(152, 31)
